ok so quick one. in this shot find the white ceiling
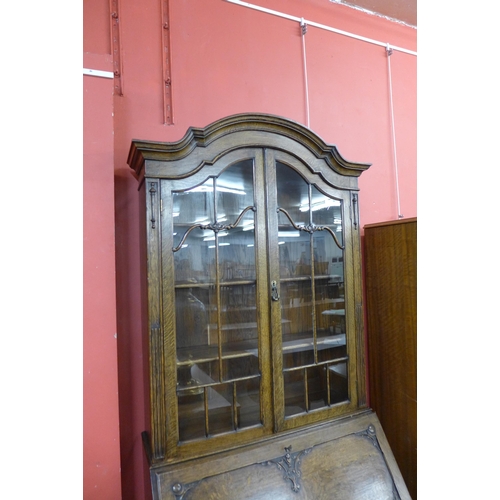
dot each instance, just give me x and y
(399, 10)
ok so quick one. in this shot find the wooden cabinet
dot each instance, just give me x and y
(391, 301)
(253, 290)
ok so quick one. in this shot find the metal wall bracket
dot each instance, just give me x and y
(303, 26)
(168, 115)
(115, 44)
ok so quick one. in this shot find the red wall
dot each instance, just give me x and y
(101, 423)
(101, 440)
(226, 59)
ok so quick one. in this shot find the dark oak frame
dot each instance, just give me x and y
(199, 153)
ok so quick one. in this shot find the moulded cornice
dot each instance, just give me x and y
(275, 126)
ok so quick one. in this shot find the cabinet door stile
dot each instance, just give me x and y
(218, 299)
(358, 308)
(352, 330)
(156, 332)
(274, 306)
(170, 372)
(263, 300)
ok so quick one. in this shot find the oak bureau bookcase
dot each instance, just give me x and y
(254, 320)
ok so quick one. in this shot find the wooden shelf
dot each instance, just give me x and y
(291, 343)
(212, 284)
(307, 343)
(205, 354)
(306, 277)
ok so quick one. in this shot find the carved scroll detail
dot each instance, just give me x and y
(311, 228)
(289, 465)
(215, 227)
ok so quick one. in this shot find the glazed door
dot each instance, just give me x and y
(312, 344)
(254, 257)
(215, 253)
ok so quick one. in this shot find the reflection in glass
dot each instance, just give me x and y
(311, 254)
(248, 402)
(314, 387)
(238, 319)
(337, 374)
(191, 319)
(295, 399)
(218, 371)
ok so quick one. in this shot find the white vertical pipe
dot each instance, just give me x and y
(389, 52)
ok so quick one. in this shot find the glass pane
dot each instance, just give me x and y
(295, 400)
(193, 376)
(218, 372)
(296, 310)
(221, 416)
(248, 399)
(317, 387)
(208, 413)
(234, 188)
(295, 264)
(238, 319)
(225, 408)
(338, 383)
(193, 262)
(237, 254)
(238, 312)
(329, 278)
(330, 310)
(191, 416)
(193, 206)
(312, 294)
(331, 348)
(235, 199)
(293, 195)
(298, 352)
(191, 318)
(243, 364)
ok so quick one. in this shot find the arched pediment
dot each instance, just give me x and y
(238, 131)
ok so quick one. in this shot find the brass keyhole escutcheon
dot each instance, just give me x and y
(274, 291)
